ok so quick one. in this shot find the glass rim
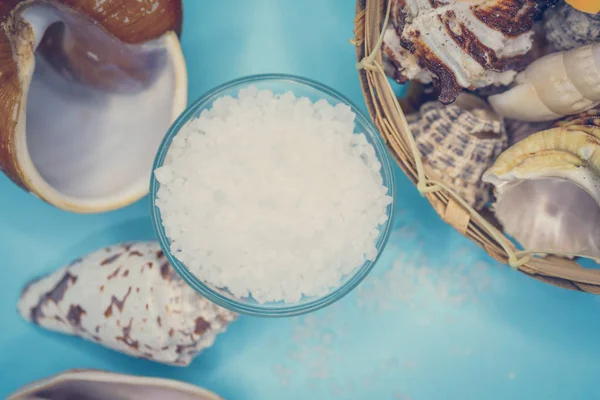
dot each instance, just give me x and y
(259, 310)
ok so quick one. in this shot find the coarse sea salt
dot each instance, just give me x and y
(272, 196)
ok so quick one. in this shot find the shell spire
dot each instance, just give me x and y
(566, 28)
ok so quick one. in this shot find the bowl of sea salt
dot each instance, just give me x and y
(272, 195)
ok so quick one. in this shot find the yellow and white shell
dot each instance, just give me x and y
(548, 188)
(459, 142)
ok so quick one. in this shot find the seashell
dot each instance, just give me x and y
(548, 188)
(401, 64)
(129, 299)
(588, 6)
(519, 130)
(567, 28)
(78, 79)
(556, 85)
(460, 44)
(459, 142)
(89, 384)
(588, 119)
(415, 95)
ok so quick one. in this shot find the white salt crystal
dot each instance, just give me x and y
(272, 196)
(248, 93)
(287, 98)
(343, 112)
(326, 112)
(163, 175)
(264, 97)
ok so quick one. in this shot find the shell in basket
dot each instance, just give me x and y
(88, 89)
(460, 44)
(556, 85)
(588, 6)
(127, 298)
(481, 227)
(95, 384)
(548, 188)
(519, 130)
(459, 142)
(567, 28)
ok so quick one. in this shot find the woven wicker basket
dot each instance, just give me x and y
(380, 101)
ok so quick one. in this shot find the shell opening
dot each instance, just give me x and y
(96, 385)
(550, 213)
(96, 109)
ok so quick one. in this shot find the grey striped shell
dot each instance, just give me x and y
(459, 143)
(567, 28)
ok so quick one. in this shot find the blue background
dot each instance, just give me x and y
(437, 318)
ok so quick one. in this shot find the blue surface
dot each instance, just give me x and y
(437, 318)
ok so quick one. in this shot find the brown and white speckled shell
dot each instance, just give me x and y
(458, 44)
(567, 28)
(127, 298)
(459, 144)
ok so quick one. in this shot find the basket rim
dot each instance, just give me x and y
(554, 270)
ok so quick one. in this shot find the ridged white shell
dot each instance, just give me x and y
(556, 85)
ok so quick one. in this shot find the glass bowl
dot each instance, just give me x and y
(278, 84)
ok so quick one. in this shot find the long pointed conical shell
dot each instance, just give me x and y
(548, 189)
(96, 384)
(127, 298)
(554, 86)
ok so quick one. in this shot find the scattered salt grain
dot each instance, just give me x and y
(272, 196)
